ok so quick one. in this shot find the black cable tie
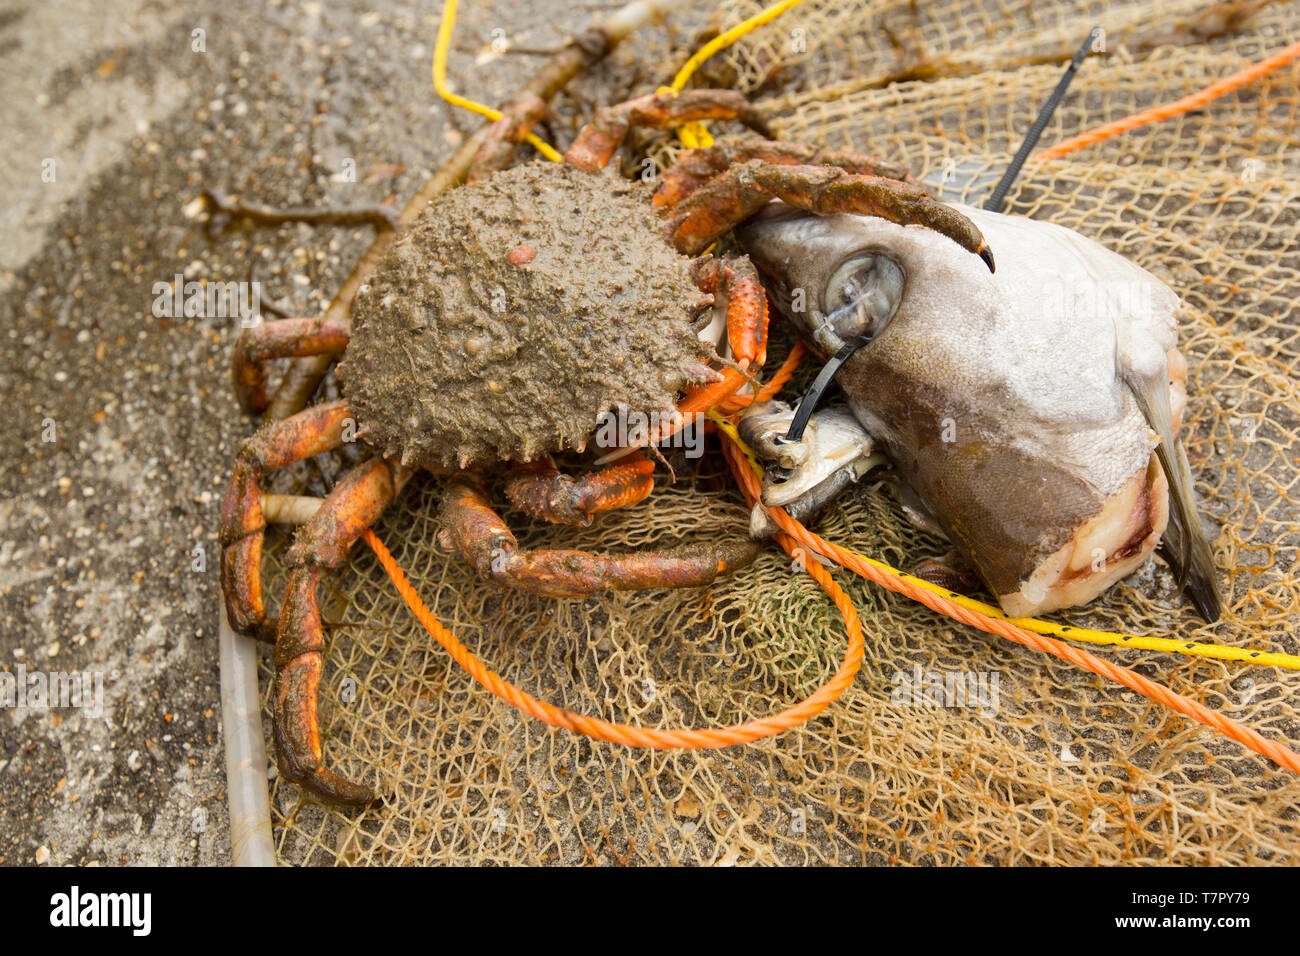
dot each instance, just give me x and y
(998, 199)
(808, 404)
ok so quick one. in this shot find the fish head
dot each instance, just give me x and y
(1023, 406)
(841, 277)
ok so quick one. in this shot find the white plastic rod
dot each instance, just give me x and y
(241, 722)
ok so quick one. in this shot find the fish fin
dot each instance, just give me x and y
(916, 511)
(1184, 544)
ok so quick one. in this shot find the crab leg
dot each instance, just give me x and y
(737, 278)
(354, 505)
(741, 191)
(543, 492)
(746, 331)
(274, 446)
(286, 338)
(380, 216)
(598, 140)
(695, 167)
(483, 539)
(498, 146)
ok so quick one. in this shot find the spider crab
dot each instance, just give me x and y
(515, 312)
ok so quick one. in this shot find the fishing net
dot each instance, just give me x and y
(1040, 761)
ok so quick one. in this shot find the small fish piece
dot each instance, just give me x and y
(804, 476)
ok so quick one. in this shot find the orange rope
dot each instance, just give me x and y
(794, 535)
(1278, 753)
(709, 738)
(1184, 105)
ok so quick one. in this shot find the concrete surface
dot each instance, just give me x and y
(119, 425)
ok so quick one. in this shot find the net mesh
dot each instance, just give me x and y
(1066, 768)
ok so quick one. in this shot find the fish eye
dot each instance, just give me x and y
(863, 295)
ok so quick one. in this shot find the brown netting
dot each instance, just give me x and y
(1070, 768)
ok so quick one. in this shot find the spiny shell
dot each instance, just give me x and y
(514, 313)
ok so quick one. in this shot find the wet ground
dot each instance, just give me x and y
(120, 423)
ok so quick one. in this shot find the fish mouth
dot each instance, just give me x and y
(1104, 550)
(803, 476)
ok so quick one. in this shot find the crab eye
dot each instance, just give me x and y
(863, 295)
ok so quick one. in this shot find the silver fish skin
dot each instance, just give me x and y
(1034, 410)
(803, 477)
(832, 440)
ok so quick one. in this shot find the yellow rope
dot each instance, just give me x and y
(696, 135)
(1066, 631)
(691, 134)
(724, 40)
(440, 83)
(1090, 636)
